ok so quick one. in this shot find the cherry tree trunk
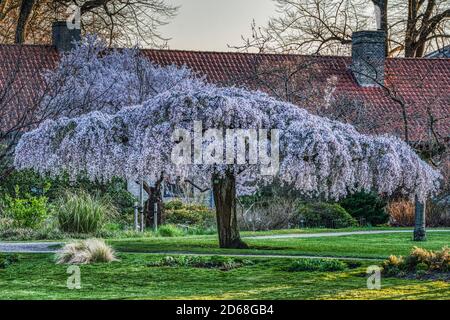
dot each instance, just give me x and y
(224, 190)
(419, 226)
(154, 198)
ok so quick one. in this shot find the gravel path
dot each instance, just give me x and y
(336, 234)
(28, 247)
(48, 247)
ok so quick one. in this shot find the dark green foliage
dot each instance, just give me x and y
(326, 215)
(317, 265)
(117, 192)
(7, 260)
(353, 264)
(368, 208)
(211, 262)
(177, 212)
(21, 183)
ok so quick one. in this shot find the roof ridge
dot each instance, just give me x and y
(238, 53)
(26, 45)
(243, 53)
(416, 59)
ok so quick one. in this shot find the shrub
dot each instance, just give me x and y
(8, 259)
(85, 251)
(438, 212)
(30, 182)
(368, 208)
(26, 211)
(173, 205)
(190, 214)
(273, 206)
(433, 260)
(266, 213)
(393, 265)
(117, 192)
(82, 213)
(321, 214)
(401, 213)
(169, 230)
(317, 265)
(212, 262)
(419, 260)
(24, 182)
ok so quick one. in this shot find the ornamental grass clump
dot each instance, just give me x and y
(85, 252)
(81, 212)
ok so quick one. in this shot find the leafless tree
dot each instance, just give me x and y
(301, 80)
(119, 21)
(413, 27)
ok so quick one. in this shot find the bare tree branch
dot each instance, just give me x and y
(325, 27)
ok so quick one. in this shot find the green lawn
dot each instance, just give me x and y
(361, 246)
(37, 277)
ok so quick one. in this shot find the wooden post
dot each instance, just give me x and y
(141, 199)
(136, 214)
(155, 217)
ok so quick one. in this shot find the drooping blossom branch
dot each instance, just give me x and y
(318, 156)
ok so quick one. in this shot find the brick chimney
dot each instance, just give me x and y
(368, 57)
(62, 36)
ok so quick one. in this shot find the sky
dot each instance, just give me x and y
(212, 24)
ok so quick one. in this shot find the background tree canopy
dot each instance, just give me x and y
(121, 22)
(413, 27)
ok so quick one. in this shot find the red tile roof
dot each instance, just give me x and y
(424, 84)
(21, 70)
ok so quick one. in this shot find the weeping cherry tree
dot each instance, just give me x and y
(171, 134)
